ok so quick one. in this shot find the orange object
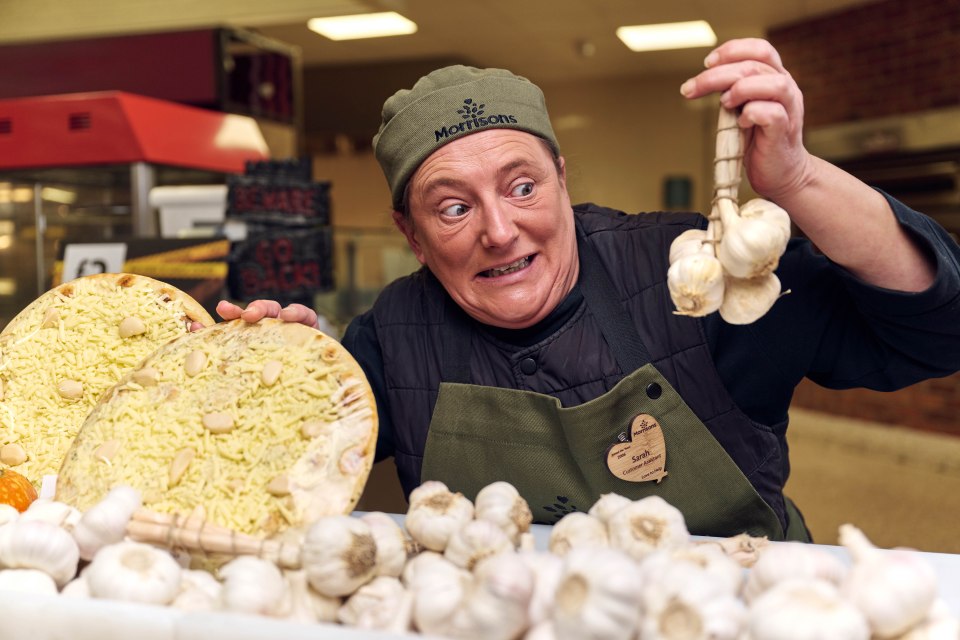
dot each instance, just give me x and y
(16, 490)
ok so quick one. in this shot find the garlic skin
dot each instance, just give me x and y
(58, 513)
(497, 603)
(375, 605)
(392, 544)
(711, 563)
(8, 514)
(607, 505)
(475, 541)
(648, 524)
(696, 284)
(805, 609)
(76, 588)
(743, 548)
(27, 581)
(895, 589)
(435, 514)
(685, 601)
(339, 555)
(39, 545)
(746, 301)
(438, 587)
(134, 572)
(199, 591)
(306, 605)
(575, 530)
(788, 560)
(769, 212)
(938, 625)
(253, 585)
(598, 595)
(501, 504)
(687, 243)
(546, 568)
(106, 522)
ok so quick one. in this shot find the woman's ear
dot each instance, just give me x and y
(405, 225)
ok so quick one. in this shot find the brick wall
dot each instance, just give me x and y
(878, 59)
(883, 58)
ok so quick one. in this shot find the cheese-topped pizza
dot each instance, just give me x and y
(59, 355)
(261, 427)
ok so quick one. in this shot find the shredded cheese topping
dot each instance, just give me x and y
(321, 469)
(82, 344)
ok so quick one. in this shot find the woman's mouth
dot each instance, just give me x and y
(522, 263)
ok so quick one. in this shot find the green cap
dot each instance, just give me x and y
(450, 103)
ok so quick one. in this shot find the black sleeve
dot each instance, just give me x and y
(841, 332)
(360, 339)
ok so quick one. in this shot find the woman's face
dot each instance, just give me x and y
(491, 218)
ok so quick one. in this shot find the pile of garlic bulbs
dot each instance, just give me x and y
(729, 267)
(627, 569)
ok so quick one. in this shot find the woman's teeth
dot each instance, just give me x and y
(510, 268)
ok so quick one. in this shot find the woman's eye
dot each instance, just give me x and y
(455, 210)
(524, 189)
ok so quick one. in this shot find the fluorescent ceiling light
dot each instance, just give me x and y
(366, 25)
(669, 35)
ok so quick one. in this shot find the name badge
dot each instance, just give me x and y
(643, 457)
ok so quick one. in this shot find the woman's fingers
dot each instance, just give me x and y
(260, 309)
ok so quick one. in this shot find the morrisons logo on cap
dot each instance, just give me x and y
(473, 118)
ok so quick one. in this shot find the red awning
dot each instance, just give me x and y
(114, 127)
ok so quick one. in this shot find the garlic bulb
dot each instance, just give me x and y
(438, 588)
(501, 504)
(435, 514)
(938, 625)
(376, 605)
(769, 212)
(339, 555)
(306, 605)
(58, 513)
(687, 243)
(393, 547)
(715, 566)
(27, 581)
(546, 568)
(648, 524)
(607, 505)
(577, 529)
(8, 513)
(135, 572)
(746, 301)
(475, 541)
(199, 591)
(39, 545)
(76, 588)
(805, 609)
(788, 560)
(696, 284)
(497, 603)
(894, 589)
(598, 595)
(751, 246)
(254, 585)
(686, 601)
(106, 522)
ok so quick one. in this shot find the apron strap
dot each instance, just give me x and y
(604, 301)
(598, 292)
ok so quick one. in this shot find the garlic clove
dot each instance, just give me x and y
(35, 544)
(435, 514)
(746, 301)
(696, 284)
(253, 585)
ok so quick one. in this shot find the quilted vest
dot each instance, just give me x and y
(575, 364)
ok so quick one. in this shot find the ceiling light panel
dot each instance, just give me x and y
(668, 35)
(366, 25)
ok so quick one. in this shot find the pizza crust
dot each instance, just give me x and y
(67, 347)
(261, 427)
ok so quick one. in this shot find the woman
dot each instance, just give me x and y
(538, 344)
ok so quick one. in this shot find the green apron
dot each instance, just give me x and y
(557, 456)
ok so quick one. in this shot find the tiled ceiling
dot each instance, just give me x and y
(544, 39)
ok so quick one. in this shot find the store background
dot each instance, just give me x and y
(626, 133)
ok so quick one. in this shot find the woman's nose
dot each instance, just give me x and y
(499, 227)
